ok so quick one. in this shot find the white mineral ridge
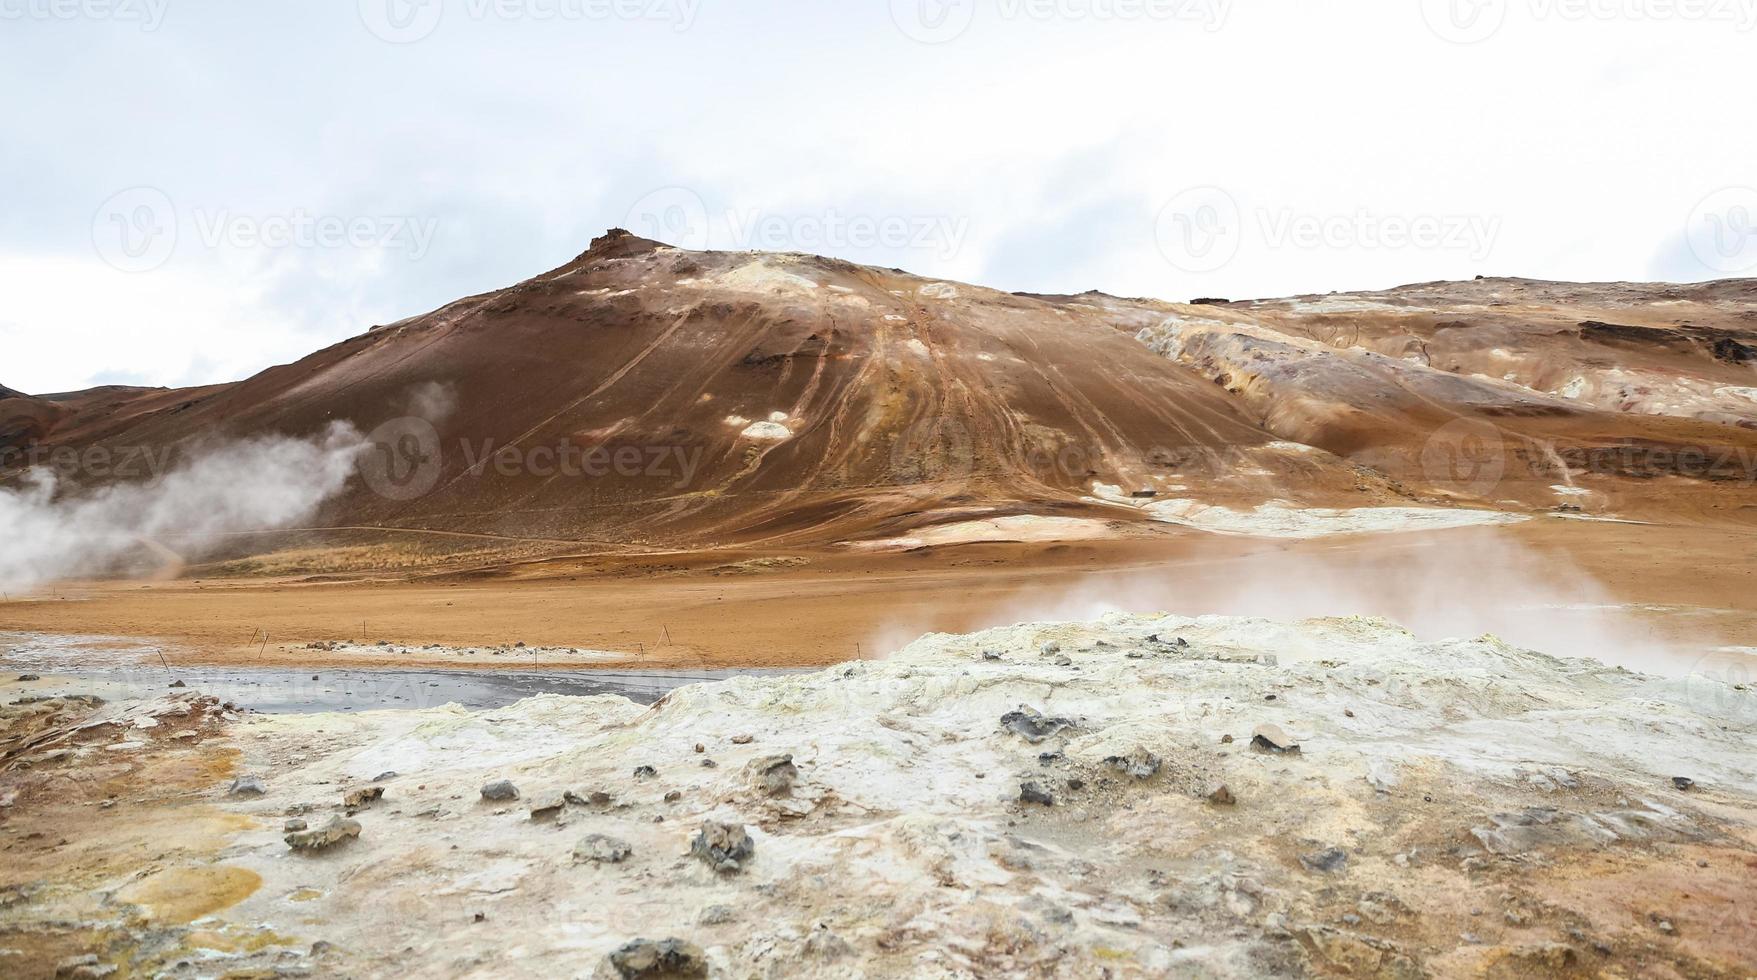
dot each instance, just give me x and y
(904, 838)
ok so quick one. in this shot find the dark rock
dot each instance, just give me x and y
(28, 678)
(1032, 726)
(1221, 796)
(1140, 763)
(645, 772)
(1683, 782)
(1030, 792)
(725, 847)
(1326, 860)
(644, 959)
(178, 684)
(500, 790)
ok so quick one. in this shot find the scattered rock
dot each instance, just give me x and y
(1326, 860)
(644, 959)
(674, 796)
(700, 748)
(645, 772)
(1063, 660)
(743, 739)
(599, 849)
(1221, 796)
(773, 775)
(247, 786)
(500, 790)
(386, 776)
(1140, 764)
(990, 655)
(1683, 782)
(26, 679)
(178, 684)
(725, 847)
(83, 967)
(1031, 725)
(338, 829)
(710, 764)
(1270, 738)
(362, 796)
(826, 945)
(1226, 740)
(1030, 792)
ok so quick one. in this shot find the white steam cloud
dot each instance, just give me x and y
(251, 485)
(1462, 583)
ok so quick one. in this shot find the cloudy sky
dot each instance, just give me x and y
(198, 189)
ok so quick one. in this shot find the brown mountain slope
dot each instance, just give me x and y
(646, 395)
(732, 397)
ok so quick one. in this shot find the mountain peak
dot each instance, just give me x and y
(618, 243)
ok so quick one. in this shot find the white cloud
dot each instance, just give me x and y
(1586, 139)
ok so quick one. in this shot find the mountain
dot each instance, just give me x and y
(713, 398)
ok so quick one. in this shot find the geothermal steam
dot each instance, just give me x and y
(252, 485)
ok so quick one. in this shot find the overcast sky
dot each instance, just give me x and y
(198, 189)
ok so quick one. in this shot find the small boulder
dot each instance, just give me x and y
(1031, 725)
(361, 797)
(1270, 738)
(725, 847)
(500, 790)
(1030, 792)
(1140, 764)
(1326, 860)
(600, 849)
(338, 829)
(247, 786)
(549, 807)
(773, 775)
(644, 959)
